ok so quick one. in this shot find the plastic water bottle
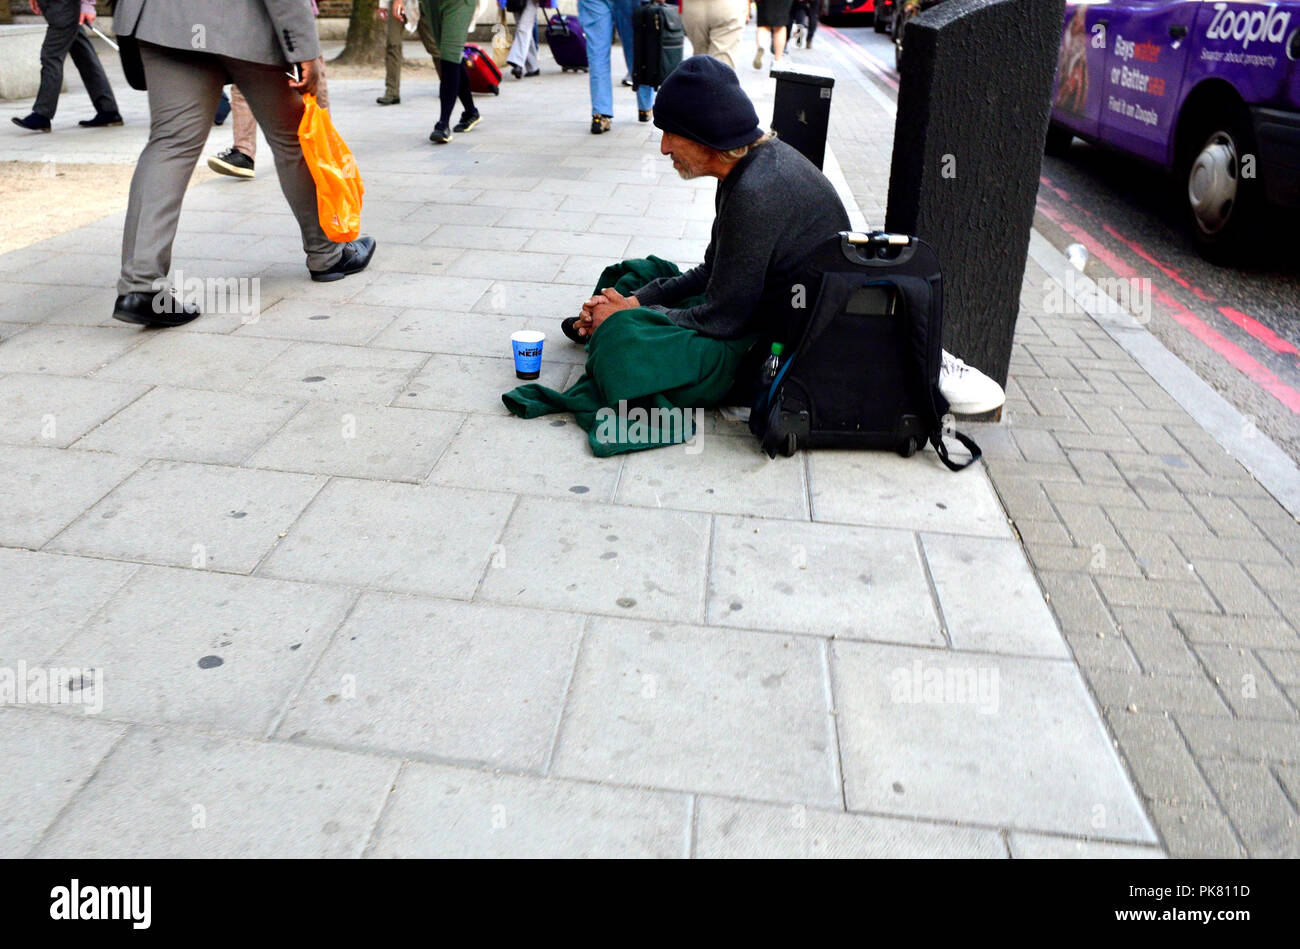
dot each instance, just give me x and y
(772, 365)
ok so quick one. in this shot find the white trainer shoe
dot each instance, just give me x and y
(968, 391)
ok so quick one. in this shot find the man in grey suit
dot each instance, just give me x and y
(189, 49)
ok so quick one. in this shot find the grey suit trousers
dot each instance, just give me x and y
(64, 36)
(184, 87)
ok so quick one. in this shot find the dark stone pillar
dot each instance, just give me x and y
(972, 119)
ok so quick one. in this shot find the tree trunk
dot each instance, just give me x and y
(6, 12)
(365, 42)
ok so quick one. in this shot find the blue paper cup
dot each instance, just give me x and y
(527, 345)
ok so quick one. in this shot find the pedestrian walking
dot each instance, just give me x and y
(65, 37)
(250, 43)
(804, 16)
(522, 59)
(773, 19)
(599, 19)
(402, 16)
(450, 22)
(239, 159)
(715, 27)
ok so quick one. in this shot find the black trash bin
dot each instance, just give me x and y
(803, 108)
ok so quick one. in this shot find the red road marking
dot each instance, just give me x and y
(1229, 351)
(1260, 332)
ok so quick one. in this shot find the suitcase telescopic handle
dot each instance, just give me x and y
(878, 248)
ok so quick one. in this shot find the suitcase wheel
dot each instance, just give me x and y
(791, 445)
(908, 448)
(496, 91)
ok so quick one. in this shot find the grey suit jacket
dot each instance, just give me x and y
(261, 31)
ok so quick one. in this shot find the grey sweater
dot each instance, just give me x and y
(772, 210)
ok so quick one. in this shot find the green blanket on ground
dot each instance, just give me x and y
(644, 373)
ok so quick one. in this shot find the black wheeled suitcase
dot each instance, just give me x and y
(567, 41)
(657, 39)
(862, 371)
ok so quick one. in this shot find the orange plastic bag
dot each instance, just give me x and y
(338, 183)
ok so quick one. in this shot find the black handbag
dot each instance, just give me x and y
(129, 52)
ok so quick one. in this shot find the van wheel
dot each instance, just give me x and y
(1058, 141)
(1222, 193)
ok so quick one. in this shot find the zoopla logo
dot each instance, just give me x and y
(1248, 26)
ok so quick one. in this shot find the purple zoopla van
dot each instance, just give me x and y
(1209, 89)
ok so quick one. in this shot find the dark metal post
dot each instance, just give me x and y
(973, 108)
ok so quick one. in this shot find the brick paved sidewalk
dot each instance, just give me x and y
(1172, 572)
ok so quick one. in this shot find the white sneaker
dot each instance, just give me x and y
(758, 59)
(968, 391)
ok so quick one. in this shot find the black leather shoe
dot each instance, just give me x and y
(516, 71)
(102, 120)
(389, 100)
(159, 308)
(356, 255)
(33, 122)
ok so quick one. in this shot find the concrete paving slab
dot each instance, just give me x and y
(473, 383)
(339, 373)
(192, 425)
(45, 760)
(314, 321)
(446, 812)
(1025, 846)
(429, 678)
(764, 574)
(359, 441)
(602, 558)
(547, 457)
(214, 652)
(194, 360)
(45, 489)
(989, 597)
(398, 537)
(72, 303)
(48, 597)
(688, 708)
(882, 489)
(724, 476)
(66, 350)
(726, 829)
(426, 290)
(168, 794)
(967, 738)
(457, 334)
(190, 515)
(54, 411)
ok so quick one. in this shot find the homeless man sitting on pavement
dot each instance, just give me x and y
(658, 339)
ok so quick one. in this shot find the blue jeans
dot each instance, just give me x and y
(599, 18)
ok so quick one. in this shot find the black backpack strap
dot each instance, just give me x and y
(975, 454)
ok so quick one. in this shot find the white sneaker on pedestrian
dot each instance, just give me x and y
(968, 391)
(758, 58)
